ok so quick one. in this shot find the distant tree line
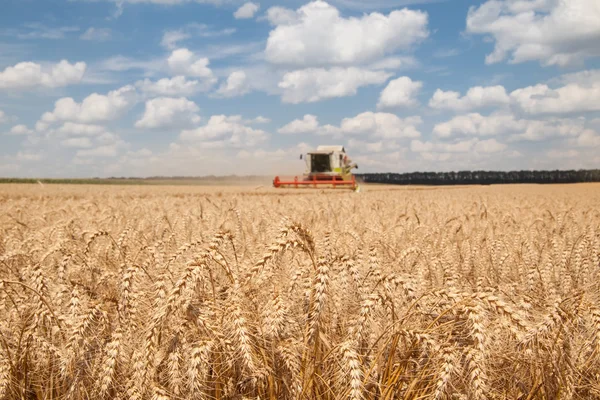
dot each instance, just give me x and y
(482, 177)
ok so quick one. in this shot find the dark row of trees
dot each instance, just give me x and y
(482, 177)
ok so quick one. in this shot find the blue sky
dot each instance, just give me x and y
(189, 87)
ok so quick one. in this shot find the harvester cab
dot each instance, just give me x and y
(327, 166)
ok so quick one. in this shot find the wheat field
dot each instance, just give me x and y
(111, 292)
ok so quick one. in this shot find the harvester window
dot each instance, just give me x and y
(320, 163)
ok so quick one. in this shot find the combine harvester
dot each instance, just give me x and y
(327, 167)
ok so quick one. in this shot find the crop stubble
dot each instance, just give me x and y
(231, 293)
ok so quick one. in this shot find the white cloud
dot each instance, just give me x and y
(315, 84)
(400, 92)
(247, 10)
(382, 125)
(3, 117)
(361, 147)
(224, 131)
(580, 93)
(76, 129)
(308, 124)
(186, 63)
(27, 75)
(582, 78)
(97, 34)
(317, 35)
(236, 85)
(499, 123)
(588, 139)
(176, 86)
(376, 125)
(171, 39)
(281, 16)
(536, 130)
(79, 143)
(477, 125)
(94, 108)
(109, 138)
(573, 97)
(553, 32)
(259, 120)
(164, 112)
(20, 130)
(489, 146)
(394, 63)
(476, 97)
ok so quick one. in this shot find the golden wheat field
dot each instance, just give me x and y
(113, 292)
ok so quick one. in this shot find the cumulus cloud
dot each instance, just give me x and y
(27, 75)
(237, 84)
(393, 63)
(77, 129)
(361, 147)
(582, 78)
(384, 125)
(185, 63)
(475, 124)
(315, 84)
(259, 120)
(278, 15)
(247, 10)
(166, 112)
(171, 39)
(308, 124)
(94, 108)
(588, 139)
(476, 97)
(176, 86)
(580, 93)
(400, 92)
(573, 97)
(377, 125)
(317, 35)
(224, 131)
(553, 32)
(19, 130)
(489, 146)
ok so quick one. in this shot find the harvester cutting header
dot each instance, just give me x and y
(328, 166)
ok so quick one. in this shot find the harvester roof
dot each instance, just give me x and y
(329, 149)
